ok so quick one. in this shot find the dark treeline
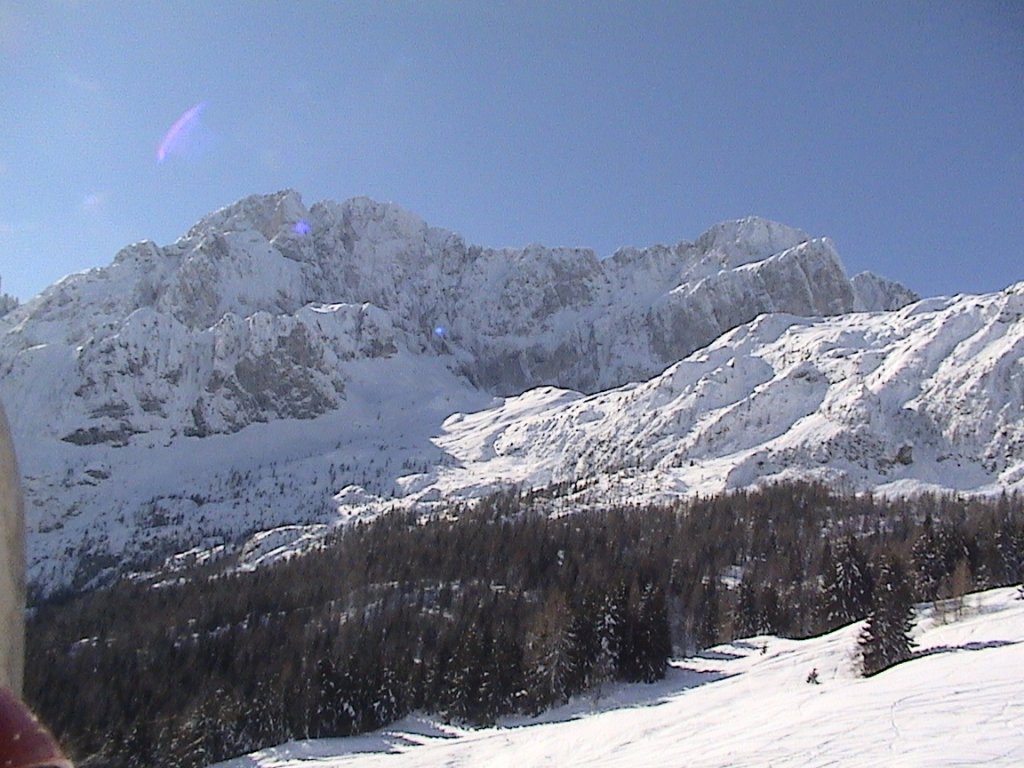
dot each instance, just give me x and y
(482, 612)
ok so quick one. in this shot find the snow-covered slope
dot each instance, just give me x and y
(284, 365)
(960, 703)
(931, 395)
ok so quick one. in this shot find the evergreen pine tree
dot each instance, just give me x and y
(583, 646)
(927, 560)
(548, 661)
(1010, 546)
(708, 616)
(746, 621)
(847, 585)
(885, 640)
(653, 643)
(467, 682)
(614, 636)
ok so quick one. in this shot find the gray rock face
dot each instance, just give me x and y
(12, 565)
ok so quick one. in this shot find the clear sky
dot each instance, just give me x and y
(895, 128)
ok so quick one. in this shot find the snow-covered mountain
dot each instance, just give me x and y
(281, 365)
(928, 396)
(747, 703)
(252, 315)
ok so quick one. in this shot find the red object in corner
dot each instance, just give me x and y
(24, 741)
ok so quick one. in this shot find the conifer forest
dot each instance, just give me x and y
(480, 612)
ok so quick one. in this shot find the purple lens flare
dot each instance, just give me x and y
(175, 139)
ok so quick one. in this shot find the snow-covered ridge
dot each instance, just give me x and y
(928, 396)
(283, 365)
(747, 703)
(233, 290)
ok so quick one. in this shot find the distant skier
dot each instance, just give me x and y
(812, 678)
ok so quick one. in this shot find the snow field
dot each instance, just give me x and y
(747, 703)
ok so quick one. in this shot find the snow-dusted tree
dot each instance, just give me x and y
(613, 635)
(928, 561)
(331, 713)
(486, 671)
(885, 639)
(547, 659)
(1009, 540)
(583, 646)
(847, 585)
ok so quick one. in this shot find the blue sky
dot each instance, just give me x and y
(896, 128)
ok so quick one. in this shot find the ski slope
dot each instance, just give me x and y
(747, 703)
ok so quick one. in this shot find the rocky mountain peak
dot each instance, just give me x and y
(874, 293)
(270, 215)
(275, 332)
(742, 241)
